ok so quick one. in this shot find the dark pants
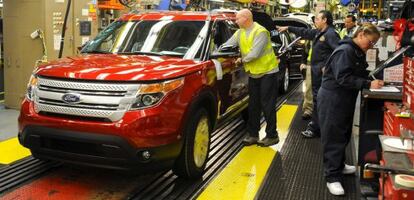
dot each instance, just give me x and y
(316, 84)
(336, 112)
(262, 97)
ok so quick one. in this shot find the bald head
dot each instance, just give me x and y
(244, 18)
(245, 13)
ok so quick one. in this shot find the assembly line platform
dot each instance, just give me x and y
(291, 169)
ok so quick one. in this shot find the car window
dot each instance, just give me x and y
(153, 37)
(284, 38)
(277, 39)
(232, 26)
(221, 32)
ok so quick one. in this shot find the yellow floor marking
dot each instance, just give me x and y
(284, 117)
(242, 177)
(11, 150)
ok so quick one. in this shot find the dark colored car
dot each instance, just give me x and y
(295, 48)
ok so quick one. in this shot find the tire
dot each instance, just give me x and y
(284, 84)
(194, 154)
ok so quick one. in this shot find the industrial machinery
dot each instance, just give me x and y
(33, 32)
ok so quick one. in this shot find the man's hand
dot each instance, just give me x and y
(239, 61)
(376, 84)
(282, 28)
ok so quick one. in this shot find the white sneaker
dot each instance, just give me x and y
(349, 169)
(335, 188)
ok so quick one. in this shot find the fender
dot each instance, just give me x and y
(204, 98)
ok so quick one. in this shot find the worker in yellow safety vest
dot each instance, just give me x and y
(350, 27)
(261, 64)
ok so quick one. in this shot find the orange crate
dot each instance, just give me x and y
(110, 4)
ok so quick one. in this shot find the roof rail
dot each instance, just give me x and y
(224, 11)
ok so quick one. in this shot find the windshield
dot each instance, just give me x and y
(163, 37)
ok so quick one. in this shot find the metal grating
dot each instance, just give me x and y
(22, 171)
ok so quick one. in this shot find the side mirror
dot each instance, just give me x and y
(216, 55)
(83, 45)
(228, 49)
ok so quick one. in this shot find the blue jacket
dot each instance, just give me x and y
(323, 43)
(346, 68)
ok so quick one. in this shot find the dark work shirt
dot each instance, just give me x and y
(346, 68)
(323, 43)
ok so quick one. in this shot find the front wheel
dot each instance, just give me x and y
(193, 157)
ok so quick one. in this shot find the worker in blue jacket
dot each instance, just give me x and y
(324, 40)
(344, 76)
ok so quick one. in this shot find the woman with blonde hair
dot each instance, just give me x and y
(344, 76)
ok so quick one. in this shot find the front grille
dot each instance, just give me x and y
(82, 85)
(86, 92)
(100, 100)
(96, 106)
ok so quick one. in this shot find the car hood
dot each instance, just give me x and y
(114, 67)
(291, 21)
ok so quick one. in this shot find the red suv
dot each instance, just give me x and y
(145, 93)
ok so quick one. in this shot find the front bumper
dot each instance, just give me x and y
(98, 150)
(142, 128)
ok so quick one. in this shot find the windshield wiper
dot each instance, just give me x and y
(172, 53)
(145, 53)
(162, 53)
(97, 51)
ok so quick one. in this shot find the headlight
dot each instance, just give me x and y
(30, 87)
(151, 94)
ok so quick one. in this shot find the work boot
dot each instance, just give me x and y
(349, 169)
(249, 140)
(335, 188)
(265, 142)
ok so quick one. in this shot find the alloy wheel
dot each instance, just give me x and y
(201, 142)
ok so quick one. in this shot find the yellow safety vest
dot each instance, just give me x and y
(343, 33)
(309, 54)
(264, 63)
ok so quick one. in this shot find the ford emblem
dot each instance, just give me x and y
(71, 98)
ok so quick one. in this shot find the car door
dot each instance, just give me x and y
(232, 85)
(297, 54)
(298, 51)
